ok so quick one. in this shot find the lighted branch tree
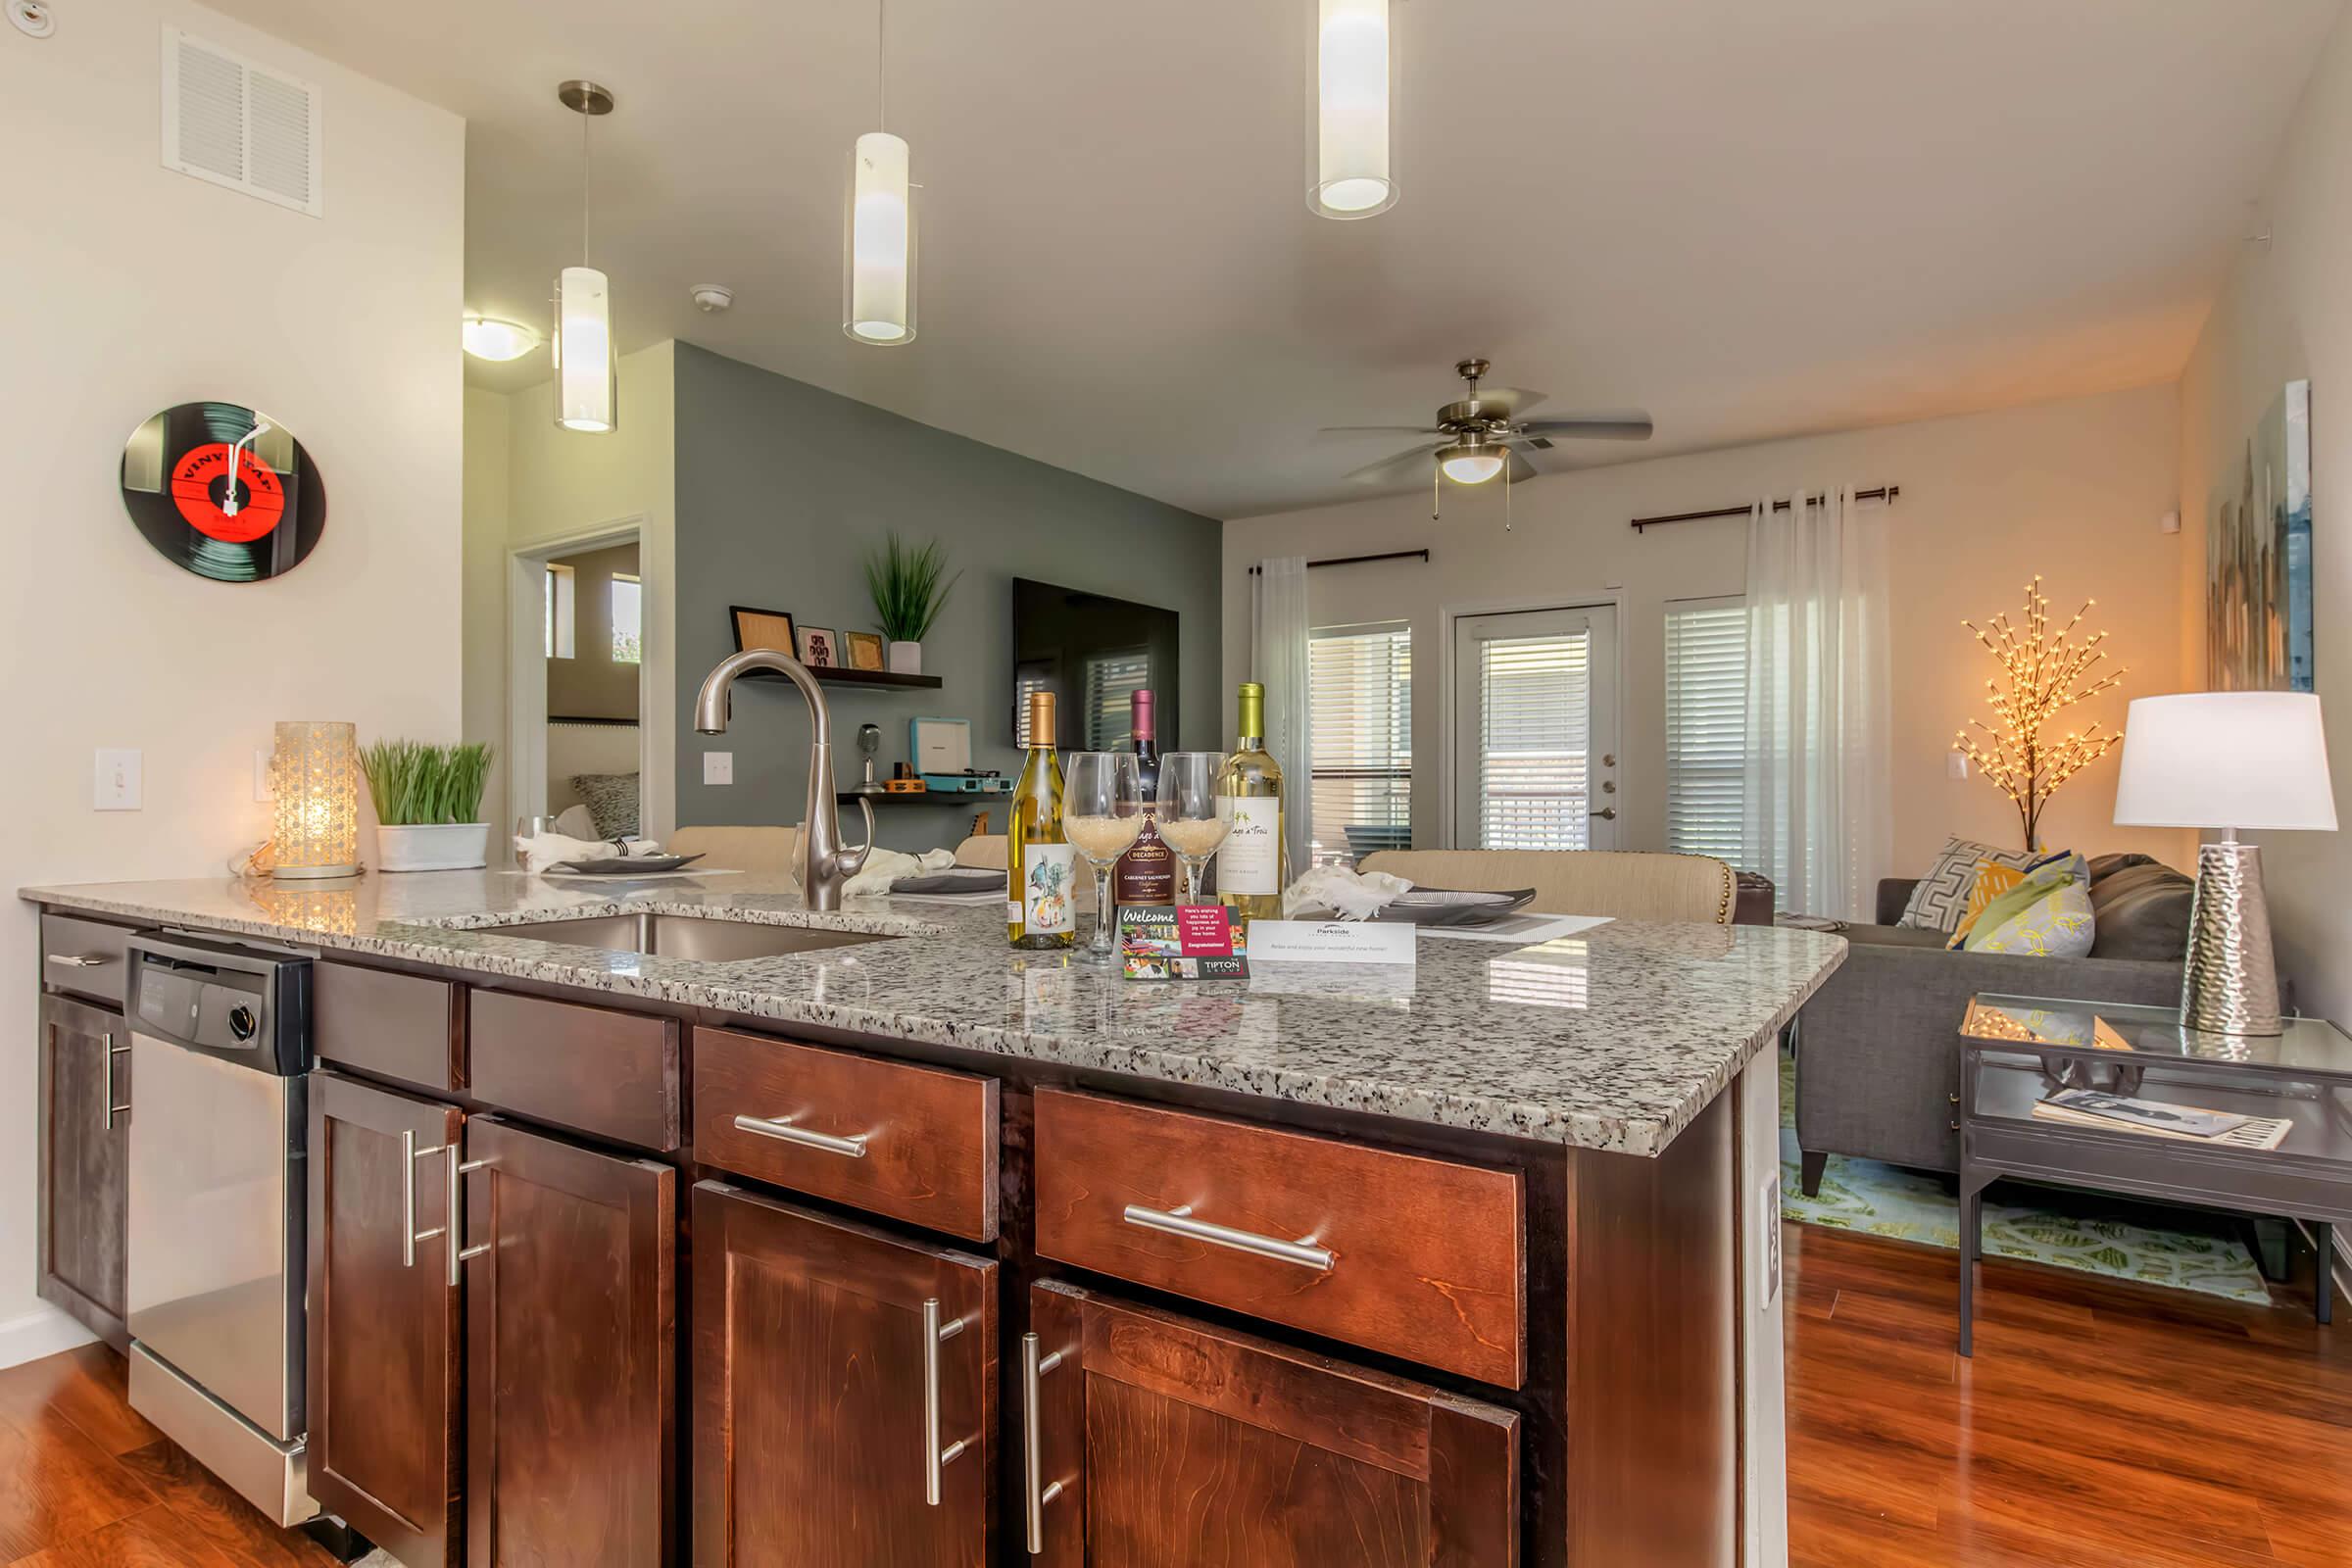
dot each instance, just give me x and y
(2044, 671)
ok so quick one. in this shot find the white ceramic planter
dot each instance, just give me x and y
(905, 658)
(432, 847)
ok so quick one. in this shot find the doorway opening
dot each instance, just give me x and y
(577, 695)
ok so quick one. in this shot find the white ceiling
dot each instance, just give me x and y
(1753, 219)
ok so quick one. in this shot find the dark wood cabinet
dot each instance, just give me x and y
(84, 1159)
(570, 1352)
(385, 1336)
(1162, 1442)
(844, 1392)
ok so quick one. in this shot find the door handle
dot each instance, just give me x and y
(107, 1121)
(1035, 1491)
(1607, 812)
(935, 1458)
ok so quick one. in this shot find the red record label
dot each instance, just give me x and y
(205, 470)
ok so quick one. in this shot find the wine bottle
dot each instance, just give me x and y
(1041, 869)
(1147, 872)
(1253, 868)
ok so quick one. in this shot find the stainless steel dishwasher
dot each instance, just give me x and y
(221, 1050)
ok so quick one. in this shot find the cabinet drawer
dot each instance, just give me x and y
(613, 1074)
(1401, 1253)
(917, 1144)
(398, 1026)
(83, 957)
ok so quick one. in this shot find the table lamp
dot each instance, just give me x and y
(2228, 761)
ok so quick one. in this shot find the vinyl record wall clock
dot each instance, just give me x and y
(224, 491)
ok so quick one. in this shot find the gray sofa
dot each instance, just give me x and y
(1878, 1070)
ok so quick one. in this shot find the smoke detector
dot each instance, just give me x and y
(711, 298)
(32, 17)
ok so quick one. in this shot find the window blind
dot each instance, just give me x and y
(1534, 738)
(1706, 725)
(1360, 685)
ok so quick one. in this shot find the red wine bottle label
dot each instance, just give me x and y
(1147, 873)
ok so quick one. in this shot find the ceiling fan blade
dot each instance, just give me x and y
(1532, 443)
(1629, 424)
(1379, 429)
(1522, 471)
(1506, 402)
(1402, 468)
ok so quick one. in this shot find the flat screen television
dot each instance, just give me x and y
(1091, 651)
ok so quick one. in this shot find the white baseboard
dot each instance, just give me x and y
(44, 1331)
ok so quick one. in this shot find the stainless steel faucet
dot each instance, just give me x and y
(826, 863)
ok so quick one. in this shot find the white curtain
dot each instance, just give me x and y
(1815, 817)
(1278, 656)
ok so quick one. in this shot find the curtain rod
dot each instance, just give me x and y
(1357, 561)
(1885, 492)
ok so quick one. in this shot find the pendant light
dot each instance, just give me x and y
(587, 388)
(1348, 166)
(877, 272)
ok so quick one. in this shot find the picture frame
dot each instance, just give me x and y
(863, 649)
(817, 648)
(770, 629)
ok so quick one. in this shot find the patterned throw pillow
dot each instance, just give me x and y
(1942, 895)
(1991, 882)
(612, 799)
(2054, 923)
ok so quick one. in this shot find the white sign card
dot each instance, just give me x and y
(1330, 942)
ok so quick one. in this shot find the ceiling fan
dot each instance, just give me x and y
(1481, 433)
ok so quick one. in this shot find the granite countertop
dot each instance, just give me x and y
(1614, 1039)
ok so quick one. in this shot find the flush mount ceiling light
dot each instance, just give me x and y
(877, 272)
(493, 337)
(1349, 166)
(587, 393)
(1470, 462)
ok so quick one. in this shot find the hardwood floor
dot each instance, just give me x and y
(2099, 1423)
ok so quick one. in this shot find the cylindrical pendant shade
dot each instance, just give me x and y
(587, 393)
(1353, 109)
(878, 271)
(315, 783)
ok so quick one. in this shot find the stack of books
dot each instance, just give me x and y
(2095, 1107)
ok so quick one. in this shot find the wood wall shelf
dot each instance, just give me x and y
(854, 677)
(922, 798)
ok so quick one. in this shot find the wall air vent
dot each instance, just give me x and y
(240, 124)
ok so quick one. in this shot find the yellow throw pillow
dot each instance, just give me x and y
(1993, 880)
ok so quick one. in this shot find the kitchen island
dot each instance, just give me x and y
(1466, 1262)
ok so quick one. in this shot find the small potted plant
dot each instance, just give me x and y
(428, 803)
(908, 586)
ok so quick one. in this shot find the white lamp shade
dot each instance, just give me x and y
(586, 388)
(2226, 760)
(1353, 109)
(878, 275)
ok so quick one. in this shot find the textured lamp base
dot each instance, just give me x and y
(2231, 984)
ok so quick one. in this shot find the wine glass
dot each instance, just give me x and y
(1101, 814)
(1185, 814)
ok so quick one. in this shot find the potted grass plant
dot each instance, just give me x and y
(908, 586)
(428, 803)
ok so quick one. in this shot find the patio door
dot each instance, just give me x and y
(1535, 742)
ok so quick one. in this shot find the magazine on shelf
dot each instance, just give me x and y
(2094, 1108)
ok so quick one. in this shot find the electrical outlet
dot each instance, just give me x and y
(261, 774)
(1955, 763)
(1768, 1210)
(719, 767)
(115, 786)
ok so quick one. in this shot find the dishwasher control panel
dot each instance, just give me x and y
(238, 1003)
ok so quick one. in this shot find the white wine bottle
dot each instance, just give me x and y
(1251, 868)
(1041, 869)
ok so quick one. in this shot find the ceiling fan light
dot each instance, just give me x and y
(491, 337)
(1465, 464)
(1353, 109)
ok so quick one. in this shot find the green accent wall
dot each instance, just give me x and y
(783, 488)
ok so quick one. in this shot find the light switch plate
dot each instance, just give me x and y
(1956, 764)
(114, 784)
(719, 767)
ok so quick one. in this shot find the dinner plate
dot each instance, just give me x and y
(955, 879)
(1446, 907)
(629, 865)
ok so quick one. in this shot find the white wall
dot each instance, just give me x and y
(132, 288)
(530, 482)
(2286, 311)
(2071, 490)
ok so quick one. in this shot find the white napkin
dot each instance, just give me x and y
(885, 867)
(1347, 893)
(551, 848)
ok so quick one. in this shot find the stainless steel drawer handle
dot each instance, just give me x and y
(77, 961)
(1180, 1222)
(1035, 1491)
(935, 1457)
(458, 1170)
(107, 1121)
(784, 1132)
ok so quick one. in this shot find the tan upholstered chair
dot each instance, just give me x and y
(739, 848)
(987, 851)
(1611, 882)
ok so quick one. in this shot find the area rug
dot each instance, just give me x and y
(1862, 1195)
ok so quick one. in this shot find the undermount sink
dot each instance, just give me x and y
(708, 939)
